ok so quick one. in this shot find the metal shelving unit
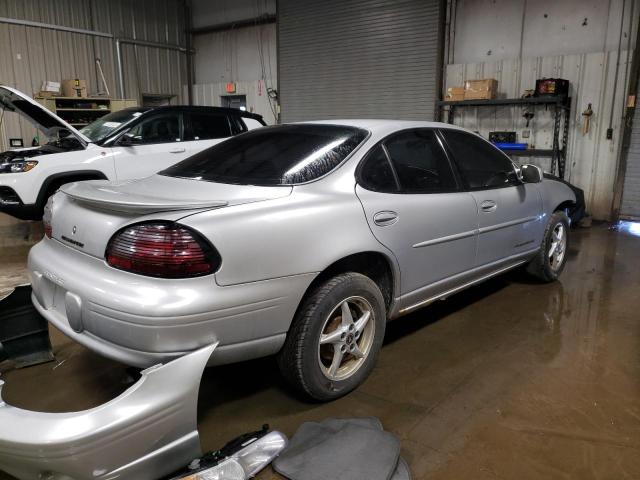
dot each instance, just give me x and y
(81, 111)
(561, 113)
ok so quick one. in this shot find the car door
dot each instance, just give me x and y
(414, 206)
(510, 219)
(152, 144)
(204, 129)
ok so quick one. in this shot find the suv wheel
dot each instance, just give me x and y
(549, 262)
(335, 338)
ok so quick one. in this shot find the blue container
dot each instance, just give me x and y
(511, 146)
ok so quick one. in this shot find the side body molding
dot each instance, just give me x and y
(147, 432)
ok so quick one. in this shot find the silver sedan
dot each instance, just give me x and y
(299, 240)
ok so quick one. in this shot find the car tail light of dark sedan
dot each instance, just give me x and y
(162, 249)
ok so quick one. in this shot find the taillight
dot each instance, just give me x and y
(159, 249)
(48, 231)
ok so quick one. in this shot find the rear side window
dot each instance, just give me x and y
(278, 155)
(420, 162)
(206, 126)
(481, 164)
(376, 173)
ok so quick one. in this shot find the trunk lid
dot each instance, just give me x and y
(44, 120)
(89, 213)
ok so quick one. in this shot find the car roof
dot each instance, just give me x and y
(383, 125)
(198, 108)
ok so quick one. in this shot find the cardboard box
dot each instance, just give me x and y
(49, 86)
(455, 93)
(74, 88)
(480, 89)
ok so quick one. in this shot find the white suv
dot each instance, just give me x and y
(127, 144)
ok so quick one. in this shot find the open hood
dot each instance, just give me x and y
(48, 122)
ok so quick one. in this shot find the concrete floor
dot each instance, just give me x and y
(510, 379)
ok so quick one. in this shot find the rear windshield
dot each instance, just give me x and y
(278, 155)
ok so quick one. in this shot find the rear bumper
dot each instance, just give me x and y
(141, 320)
(147, 432)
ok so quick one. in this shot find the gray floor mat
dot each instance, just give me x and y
(349, 449)
(402, 471)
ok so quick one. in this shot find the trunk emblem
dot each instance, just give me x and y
(74, 229)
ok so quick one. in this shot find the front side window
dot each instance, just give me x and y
(481, 164)
(163, 128)
(207, 126)
(278, 155)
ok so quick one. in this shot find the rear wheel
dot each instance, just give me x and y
(549, 262)
(334, 340)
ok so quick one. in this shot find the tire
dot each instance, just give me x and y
(543, 266)
(307, 365)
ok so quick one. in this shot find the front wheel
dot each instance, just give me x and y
(334, 340)
(549, 262)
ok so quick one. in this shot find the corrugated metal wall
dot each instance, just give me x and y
(592, 159)
(630, 208)
(358, 58)
(29, 55)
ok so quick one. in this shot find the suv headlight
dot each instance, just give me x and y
(23, 166)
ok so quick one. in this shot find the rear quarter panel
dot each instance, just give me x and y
(303, 233)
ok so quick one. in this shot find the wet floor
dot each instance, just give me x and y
(510, 379)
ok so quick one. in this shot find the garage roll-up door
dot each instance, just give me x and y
(358, 58)
(630, 208)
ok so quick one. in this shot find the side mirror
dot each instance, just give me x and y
(531, 173)
(128, 140)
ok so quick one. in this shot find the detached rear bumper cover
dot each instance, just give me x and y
(147, 432)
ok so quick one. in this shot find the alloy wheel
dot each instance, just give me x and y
(558, 246)
(346, 338)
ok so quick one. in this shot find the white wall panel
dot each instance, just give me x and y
(491, 30)
(592, 159)
(235, 55)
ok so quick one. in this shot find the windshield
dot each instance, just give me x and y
(279, 155)
(104, 126)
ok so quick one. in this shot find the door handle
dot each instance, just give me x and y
(488, 206)
(178, 150)
(385, 218)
